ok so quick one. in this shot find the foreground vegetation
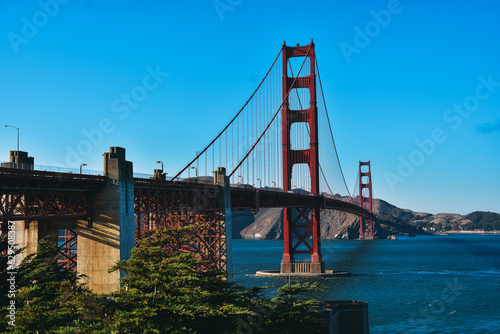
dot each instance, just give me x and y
(164, 291)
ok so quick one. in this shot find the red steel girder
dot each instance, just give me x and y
(160, 204)
(304, 235)
(36, 204)
(36, 195)
(67, 249)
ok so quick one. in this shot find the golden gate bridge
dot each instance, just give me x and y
(266, 156)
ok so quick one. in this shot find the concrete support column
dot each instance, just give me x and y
(28, 234)
(111, 235)
(222, 180)
(26, 237)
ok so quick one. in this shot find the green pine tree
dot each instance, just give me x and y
(169, 290)
(289, 313)
(166, 291)
(46, 297)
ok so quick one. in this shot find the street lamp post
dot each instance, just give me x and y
(81, 167)
(197, 165)
(160, 162)
(15, 127)
(260, 183)
(196, 170)
(162, 176)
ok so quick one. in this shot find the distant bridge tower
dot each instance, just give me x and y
(300, 222)
(365, 201)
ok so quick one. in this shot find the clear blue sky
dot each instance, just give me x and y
(392, 72)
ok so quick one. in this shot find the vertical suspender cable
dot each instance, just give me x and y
(227, 126)
(274, 117)
(330, 126)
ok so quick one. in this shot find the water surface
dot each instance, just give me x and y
(426, 284)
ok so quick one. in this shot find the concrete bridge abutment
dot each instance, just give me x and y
(110, 236)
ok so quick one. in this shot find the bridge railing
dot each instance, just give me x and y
(68, 170)
(143, 176)
(14, 177)
(45, 168)
(58, 169)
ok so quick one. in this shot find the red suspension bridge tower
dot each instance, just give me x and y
(365, 199)
(303, 223)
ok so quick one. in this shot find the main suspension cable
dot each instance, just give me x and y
(230, 122)
(276, 114)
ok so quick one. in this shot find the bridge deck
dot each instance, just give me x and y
(241, 198)
(251, 199)
(11, 178)
(254, 199)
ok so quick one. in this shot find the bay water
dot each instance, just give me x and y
(425, 284)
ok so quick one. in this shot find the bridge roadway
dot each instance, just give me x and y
(74, 190)
(100, 229)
